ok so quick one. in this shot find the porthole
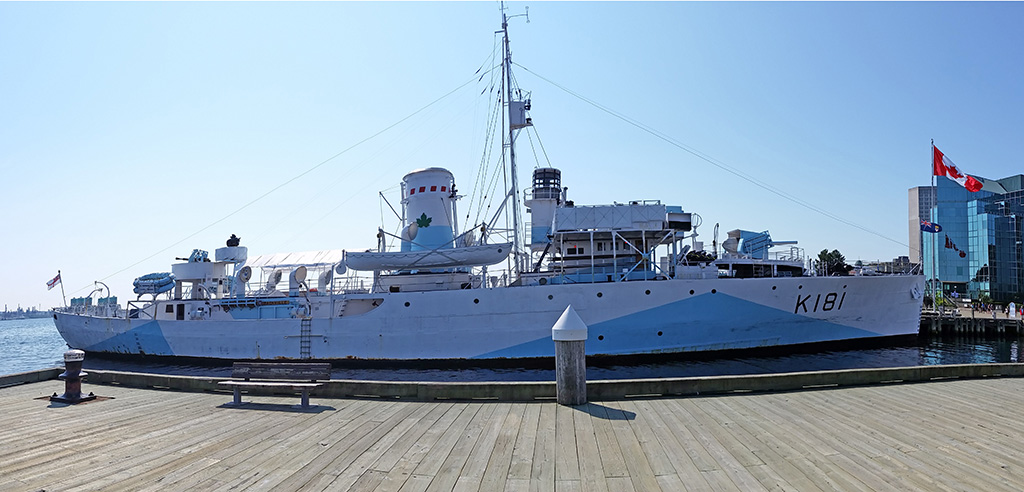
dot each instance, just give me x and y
(799, 287)
(476, 301)
(600, 337)
(691, 292)
(714, 291)
(773, 287)
(648, 292)
(659, 333)
(600, 294)
(406, 304)
(550, 297)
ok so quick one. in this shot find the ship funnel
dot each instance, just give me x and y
(428, 201)
(542, 199)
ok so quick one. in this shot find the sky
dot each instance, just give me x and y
(132, 133)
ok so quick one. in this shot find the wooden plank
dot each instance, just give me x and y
(269, 384)
(282, 370)
(790, 433)
(692, 447)
(280, 457)
(870, 448)
(684, 467)
(622, 484)
(473, 471)
(249, 453)
(879, 447)
(338, 456)
(151, 448)
(448, 473)
(291, 456)
(522, 453)
(657, 456)
(612, 461)
(592, 476)
(432, 462)
(744, 429)
(567, 465)
(368, 480)
(640, 472)
(542, 476)
(405, 455)
(497, 471)
(517, 485)
(132, 477)
(415, 443)
(567, 486)
(80, 429)
(899, 438)
(701, 426)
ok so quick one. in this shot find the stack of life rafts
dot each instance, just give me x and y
(154, 283)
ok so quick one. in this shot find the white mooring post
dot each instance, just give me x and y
(570, 335)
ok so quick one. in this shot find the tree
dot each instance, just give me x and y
(832, 263)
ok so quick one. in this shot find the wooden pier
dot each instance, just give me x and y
(967, 322)
(951, 434)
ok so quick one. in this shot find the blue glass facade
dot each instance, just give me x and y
(979, 249)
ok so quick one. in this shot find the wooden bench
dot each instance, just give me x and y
(301, 376)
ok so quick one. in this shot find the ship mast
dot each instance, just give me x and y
(516, 120)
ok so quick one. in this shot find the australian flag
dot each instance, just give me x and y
(930, 226)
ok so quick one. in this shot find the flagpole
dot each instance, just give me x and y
(935, 240)
(62, 289)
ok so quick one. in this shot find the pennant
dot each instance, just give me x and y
(942, 166)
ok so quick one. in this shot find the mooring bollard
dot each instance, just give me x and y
(72, 377)
(570, 335)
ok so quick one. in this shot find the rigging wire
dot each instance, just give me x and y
(410, 153)
(541, 144)
(480, 178)
(711, 160)
(293, 179)
(485, 189)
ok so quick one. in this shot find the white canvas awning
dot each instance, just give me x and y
(305, 258)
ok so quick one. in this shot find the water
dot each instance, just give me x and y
(32, 344)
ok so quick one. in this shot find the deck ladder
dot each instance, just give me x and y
(305, 335)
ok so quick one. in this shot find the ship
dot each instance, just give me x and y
(635, 272)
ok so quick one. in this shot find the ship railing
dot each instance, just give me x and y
(140, 309)
(626, 256)
(102, 311)
(542, 194)
(792, 254)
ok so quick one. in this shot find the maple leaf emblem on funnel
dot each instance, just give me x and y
(423, 221)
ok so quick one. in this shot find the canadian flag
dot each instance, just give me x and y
(942, 166)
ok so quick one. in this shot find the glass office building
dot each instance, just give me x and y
(922, 200)
(978, 252)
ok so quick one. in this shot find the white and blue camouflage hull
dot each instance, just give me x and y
(624, 318)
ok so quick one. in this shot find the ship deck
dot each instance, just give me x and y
(940, 435)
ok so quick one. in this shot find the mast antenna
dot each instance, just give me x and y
(516, 114)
